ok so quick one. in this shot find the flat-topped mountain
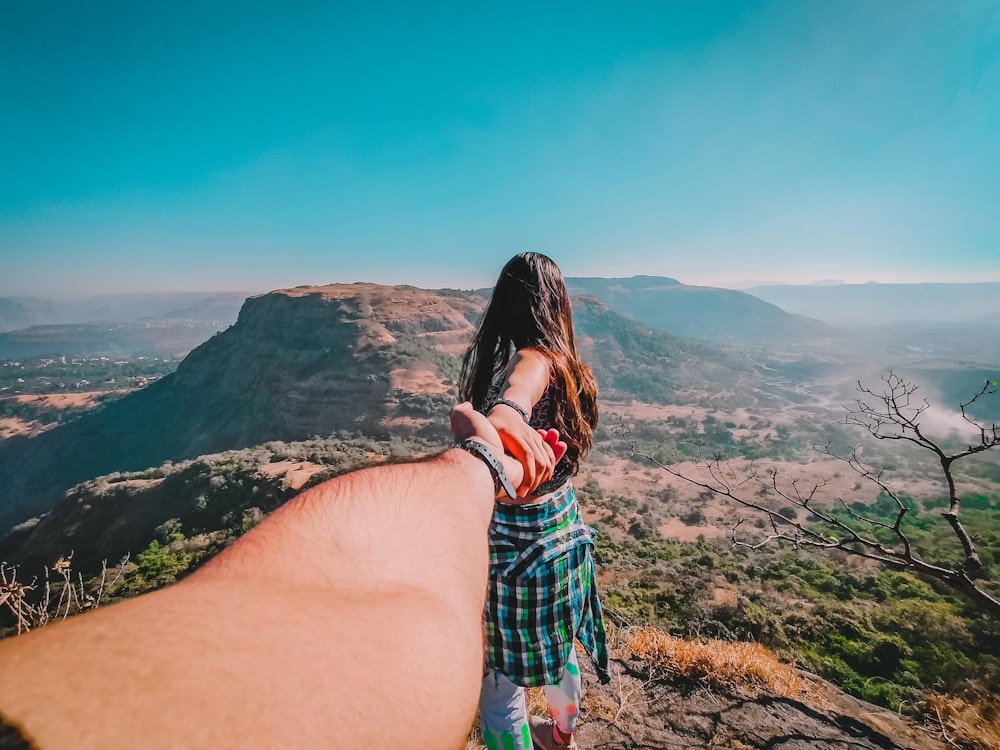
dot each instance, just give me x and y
(143, 324)
(314, 360)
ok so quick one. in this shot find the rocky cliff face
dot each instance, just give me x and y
(314, 360)
(297, 363)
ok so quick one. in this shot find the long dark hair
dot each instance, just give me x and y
(530, 309)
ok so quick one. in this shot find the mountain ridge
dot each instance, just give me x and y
(312, 360)
(696, 311)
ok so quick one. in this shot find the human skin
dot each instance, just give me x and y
(350, 617)
(527, 377)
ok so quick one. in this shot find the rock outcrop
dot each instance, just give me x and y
(643, 710)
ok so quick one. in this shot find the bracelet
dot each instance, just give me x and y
(482, 451)
(513, 405)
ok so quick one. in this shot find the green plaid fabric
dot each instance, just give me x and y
(543, 594)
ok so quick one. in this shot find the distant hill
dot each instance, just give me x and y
(200, 307)
(115, 326)
(16, 314)
(875, 304)
(314, 360)
(698, 311)
(632, 360)
(163, 337)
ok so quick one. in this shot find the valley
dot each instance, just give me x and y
(38, 393)
(167, 460)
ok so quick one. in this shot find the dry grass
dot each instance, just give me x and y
(56, 597)
(416, 380)
(80, 399)
(972, 724)
(747, 669)
(293, 473)
(12, 427)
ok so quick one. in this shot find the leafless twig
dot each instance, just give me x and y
(56, 599)
(892, 414)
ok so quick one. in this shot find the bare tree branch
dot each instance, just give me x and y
(892, 414)
(32, 610)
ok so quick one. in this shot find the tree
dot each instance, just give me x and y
(893, 414)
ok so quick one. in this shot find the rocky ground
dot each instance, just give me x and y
(650, 706)
(640, 710)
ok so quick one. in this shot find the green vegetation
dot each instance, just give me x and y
(157, 566)
(426, 405)
(63, 374)
(408, 352)
(689, 438)
(109, 377)
(929, 534)
(882, 635)
(846, 603)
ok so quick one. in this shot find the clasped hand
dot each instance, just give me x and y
(534, 453)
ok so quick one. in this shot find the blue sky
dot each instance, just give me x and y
(256, 145)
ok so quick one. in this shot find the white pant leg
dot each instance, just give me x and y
(503, 714)
(564, 697)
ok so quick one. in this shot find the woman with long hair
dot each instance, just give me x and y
(524, 372)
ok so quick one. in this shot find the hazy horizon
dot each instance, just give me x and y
(185, 147)
(80, 296)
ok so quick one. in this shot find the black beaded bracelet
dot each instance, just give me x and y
(500, 478)
(513, 405)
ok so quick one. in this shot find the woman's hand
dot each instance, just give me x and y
(468, 423)
(527, 445)
(528, 375)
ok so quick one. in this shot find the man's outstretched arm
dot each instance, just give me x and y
(350, 617)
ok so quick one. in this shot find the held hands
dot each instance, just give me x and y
(466, 422)
(529, 446)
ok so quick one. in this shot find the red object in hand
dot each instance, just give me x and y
(551, 436)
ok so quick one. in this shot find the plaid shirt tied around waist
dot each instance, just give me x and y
(543, 594)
